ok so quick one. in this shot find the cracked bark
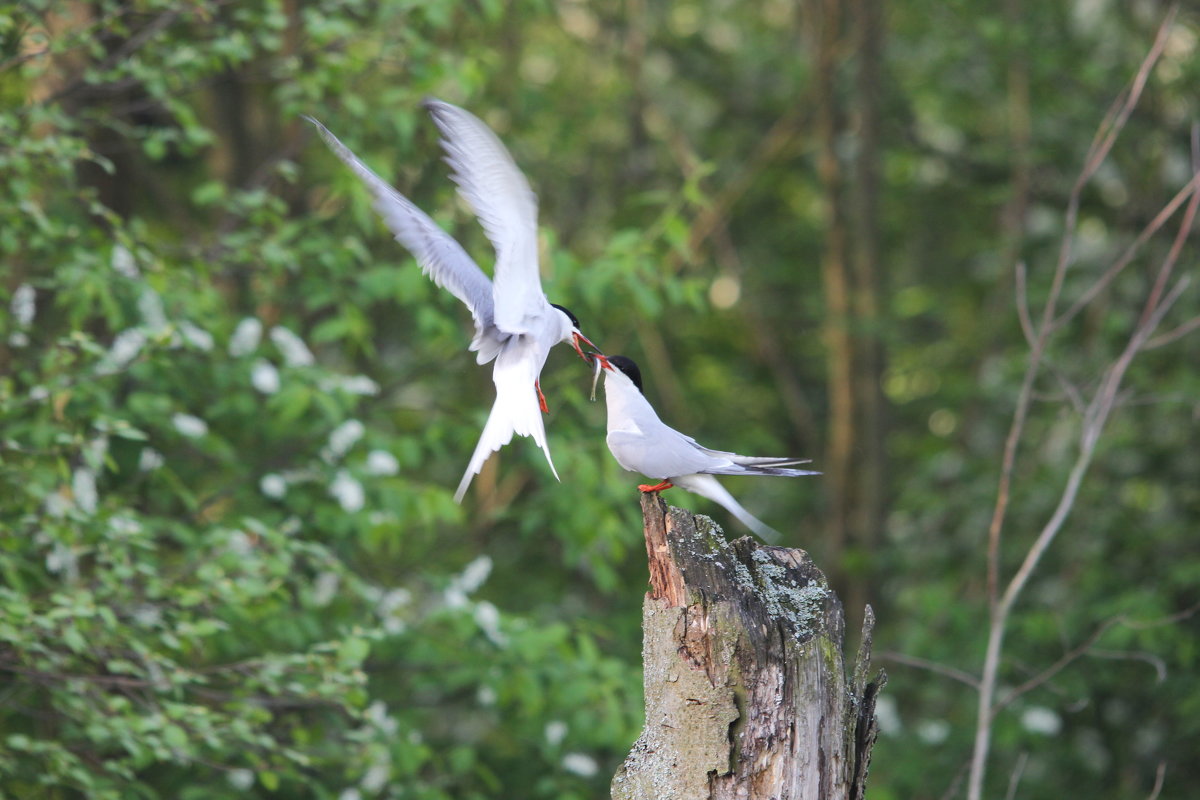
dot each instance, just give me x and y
(747, 692)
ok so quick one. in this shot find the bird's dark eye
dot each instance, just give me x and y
(574, 319)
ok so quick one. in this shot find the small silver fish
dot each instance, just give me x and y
(595, 376)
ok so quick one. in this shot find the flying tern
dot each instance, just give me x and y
(515, 324)
(641, 442)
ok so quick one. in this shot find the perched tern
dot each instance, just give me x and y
(514, 322)
(641, 442)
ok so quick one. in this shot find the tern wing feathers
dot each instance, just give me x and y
(666, 453)
(490, 181)
(440, 256)
(659, 453)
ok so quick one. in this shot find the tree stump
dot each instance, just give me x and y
(746, 692)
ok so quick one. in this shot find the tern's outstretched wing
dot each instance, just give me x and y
(491, 182)
(440, 257)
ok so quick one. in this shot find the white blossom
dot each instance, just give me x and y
(240, 542)
(888, 715)
(264, 376)
(933, 731)
(344, 436)
(196, 336)
(150, 306)
(18, 339)
(580, 764)
(124, 525)
(377, 715)
(388, 604)
(455, 597)
(325, 588)
(350, 794)
(57, 505)
(381, 462)
(39, 393)
(392, 600)
(475, 573)
(486, 696)
(354, 384)
(62, 559)
(95, 451)
(83, 487)
(273, 485)
(487, 617)
(125, 348)
(295, 352)
(556, 731)
(123, 262)
(359, 384)
(23, 305)
(147, 615)
(376, 777)
(1039, 719)
(190, 426)
(241, 779)
(246, 337)
(150, 459)
(348, 492)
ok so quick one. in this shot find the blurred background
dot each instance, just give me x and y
(233, 412)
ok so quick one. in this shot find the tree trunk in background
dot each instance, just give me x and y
(869, 500)
(746, 689)
(835, 274)
(854, 459)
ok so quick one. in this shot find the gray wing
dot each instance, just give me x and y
(663, 453)
(667, 453)
(440, 256)
(490, 181)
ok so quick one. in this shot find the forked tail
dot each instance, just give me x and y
(708, 486)
(515, 411)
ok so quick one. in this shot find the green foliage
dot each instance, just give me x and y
(233, 412)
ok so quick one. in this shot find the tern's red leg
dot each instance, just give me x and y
(658, 487)
(541, 397)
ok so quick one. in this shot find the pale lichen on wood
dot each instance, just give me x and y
(746, 692)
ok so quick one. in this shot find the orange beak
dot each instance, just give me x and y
(576, 338)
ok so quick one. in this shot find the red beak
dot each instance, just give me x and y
(576, 338)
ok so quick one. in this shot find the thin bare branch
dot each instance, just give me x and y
(1160, 666)
(1187, 192)
(1173, 335)
(1106, 136)
(931, 666)
(1065, 660)
(1160, 776)
(1015, 778)
(1023, 305)
(1178, 616)
(1000, 606)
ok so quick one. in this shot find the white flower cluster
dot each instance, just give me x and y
(293, 349)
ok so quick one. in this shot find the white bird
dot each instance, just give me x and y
(514, 322)
(641, 442)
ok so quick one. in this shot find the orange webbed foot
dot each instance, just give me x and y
(658, 487)
(541, 397)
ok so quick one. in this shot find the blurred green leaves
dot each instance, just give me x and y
(232, 410)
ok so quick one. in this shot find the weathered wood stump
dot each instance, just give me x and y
(746, 692)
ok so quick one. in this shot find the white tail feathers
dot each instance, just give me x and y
(515, 411)
(708, 486)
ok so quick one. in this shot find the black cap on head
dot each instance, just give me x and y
(574, 319)
(626, 365)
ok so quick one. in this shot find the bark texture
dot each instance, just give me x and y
(747, 695)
